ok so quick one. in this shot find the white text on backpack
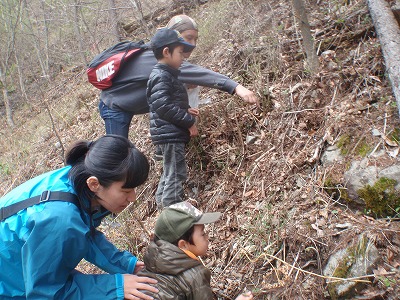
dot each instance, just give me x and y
(105, 71)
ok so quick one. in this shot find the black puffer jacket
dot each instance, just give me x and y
(179, 276)
(169, 103)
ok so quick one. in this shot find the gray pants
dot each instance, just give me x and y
(170, 188)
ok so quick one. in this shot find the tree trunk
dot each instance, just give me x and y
(137, 4)
(46, 38)
(10, 121)
(300, 13)
(78, 31)
(91, 32)
(35, 40)
(20, 76)
(114, 20)
(389, 36)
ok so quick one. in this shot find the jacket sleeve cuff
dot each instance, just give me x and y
(132, 265)
(230, 86)
(119, 282)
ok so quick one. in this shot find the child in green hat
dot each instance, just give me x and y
(172, 257)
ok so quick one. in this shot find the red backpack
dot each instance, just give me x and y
(105, 66)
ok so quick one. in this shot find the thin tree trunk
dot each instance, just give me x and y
(78, 32)
(138, 5)
(35, 42)
(46, 37)
(300, 13)
(10, 120)
(91, 33)
(6, 100)
(114, 20)
(389, 36)
(20, 76)
(16, 53)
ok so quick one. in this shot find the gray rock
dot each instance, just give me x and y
(360, 174)
(331, 155)
(376, 132)
(354, 261)
(250, 139)
(392, 172)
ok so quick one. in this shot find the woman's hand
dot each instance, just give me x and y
(132, 285)
(247, 95)
(138, 267)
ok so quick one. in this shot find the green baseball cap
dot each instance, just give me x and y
(178, 218)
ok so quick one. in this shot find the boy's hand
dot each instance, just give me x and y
(193, 130)
(193, 111)
(138, 267)
(247, 95)
(245, 296)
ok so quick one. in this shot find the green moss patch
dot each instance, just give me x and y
(381, 199)
(363, 149)
(395, 135)
(347, 146)
(336, 191)
(344, 144)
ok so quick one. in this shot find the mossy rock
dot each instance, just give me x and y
(353, 261)
(374, 187)
(382, 199)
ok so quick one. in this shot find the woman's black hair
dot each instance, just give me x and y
(110, 159)
(158, 52)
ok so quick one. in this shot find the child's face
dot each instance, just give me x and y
(174, 59)
(200, 241)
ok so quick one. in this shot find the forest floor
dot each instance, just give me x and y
(260, 166)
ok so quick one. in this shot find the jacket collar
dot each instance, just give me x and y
(190, 254)
(169, 69)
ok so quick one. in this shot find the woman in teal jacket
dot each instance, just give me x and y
(41, 245)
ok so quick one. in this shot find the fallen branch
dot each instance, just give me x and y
(389, 36)
(334, 279)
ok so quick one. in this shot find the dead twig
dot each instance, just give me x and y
(334, 279)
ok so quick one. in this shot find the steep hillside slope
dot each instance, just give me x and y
(283, 208)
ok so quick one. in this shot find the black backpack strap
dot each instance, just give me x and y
(12, 209)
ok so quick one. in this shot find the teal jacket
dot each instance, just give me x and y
(40, 247)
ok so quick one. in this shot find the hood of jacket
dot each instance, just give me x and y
(165, 258)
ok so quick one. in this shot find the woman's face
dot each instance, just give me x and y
(114, 198)
(191, 37)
